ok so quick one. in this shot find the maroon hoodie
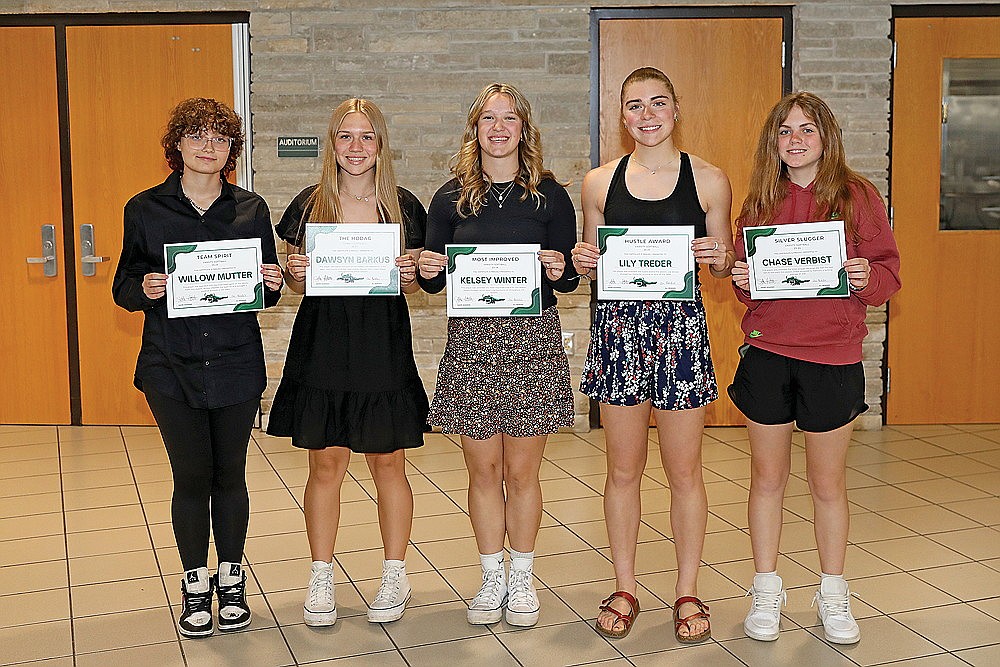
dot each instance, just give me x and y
(827, 330)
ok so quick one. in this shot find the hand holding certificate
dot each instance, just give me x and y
(646, 262)
(495, 280)
(799, 261)
(212, 277)
(352, 259)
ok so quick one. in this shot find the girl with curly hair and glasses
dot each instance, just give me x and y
(202, 376)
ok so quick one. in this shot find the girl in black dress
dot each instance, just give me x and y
(350, 382)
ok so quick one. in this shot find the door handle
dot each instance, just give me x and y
(88, 259)
(48, 258)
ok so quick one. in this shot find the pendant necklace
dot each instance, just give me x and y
(653, 170)
(501, 194)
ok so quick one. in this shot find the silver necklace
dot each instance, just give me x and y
(501, 194)
(200, 210)
(658, 167)
(363, 197)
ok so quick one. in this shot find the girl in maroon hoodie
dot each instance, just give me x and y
(801, 362)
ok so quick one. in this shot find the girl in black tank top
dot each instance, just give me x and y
(681, 207)
(654, 355)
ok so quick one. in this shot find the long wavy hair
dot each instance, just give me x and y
(198, 114)
(324, 203)
(834, 179)
(467, 164)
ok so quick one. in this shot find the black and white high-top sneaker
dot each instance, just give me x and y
(234, 613)
(196, 604)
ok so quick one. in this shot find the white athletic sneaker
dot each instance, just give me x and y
(393, 593)
(487, 606)
(320, 608)
(833, 606)
(522, 600)
(196, 603)
(764, 618)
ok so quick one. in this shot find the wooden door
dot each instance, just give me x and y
(34, 361)
(944, 323)
(123, 82)
(727, 74)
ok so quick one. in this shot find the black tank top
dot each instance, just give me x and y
(681, 207)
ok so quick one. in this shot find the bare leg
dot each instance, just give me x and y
(327, 468)
(522, 457)
(680, 434)
(826, 467)
(484, 459)
(626, 430)
(770, 463)
(395, 501)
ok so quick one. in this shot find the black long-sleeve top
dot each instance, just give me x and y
(551, 224)
(207, 361)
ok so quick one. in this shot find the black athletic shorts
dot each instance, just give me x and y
(773, 389)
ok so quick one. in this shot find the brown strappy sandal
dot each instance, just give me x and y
(686, 621)
(628, 619)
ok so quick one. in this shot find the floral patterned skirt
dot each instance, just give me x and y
(503, 375)
(654, 351)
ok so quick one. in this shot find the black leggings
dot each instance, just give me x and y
(208, 458)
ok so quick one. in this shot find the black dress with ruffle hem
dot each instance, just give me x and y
(349, 378)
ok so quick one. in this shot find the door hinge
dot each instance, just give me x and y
(892, 217)
(888, 379)
(894, 54)
(782, 55)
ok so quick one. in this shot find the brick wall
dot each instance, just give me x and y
(422, 61)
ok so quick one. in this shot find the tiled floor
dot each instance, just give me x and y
(88, 568)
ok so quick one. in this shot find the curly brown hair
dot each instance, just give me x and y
(196, 115)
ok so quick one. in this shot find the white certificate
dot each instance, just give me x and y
(212, 277)
(646, 262)
(797, 261)
(495, 280)
(352, 259)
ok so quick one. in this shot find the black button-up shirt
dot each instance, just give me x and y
(207, 361)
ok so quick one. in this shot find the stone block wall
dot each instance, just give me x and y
(423, 61)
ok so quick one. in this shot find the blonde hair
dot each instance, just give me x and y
(467, 164)
(834, 179)
(324, 203)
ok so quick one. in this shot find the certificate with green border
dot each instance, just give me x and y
(645, 263)
(352, 259)
(802, 260)
(495, 280)
(213, 277)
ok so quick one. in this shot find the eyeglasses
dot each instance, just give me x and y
(201, 141)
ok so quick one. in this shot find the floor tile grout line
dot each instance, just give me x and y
(69, 580)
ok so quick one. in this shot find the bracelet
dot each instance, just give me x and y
(853, 288)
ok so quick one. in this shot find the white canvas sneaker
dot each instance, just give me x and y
(487, 607)
(833, 606)
(764, 618)
(522, 599)
(393, 594)
(320, 608)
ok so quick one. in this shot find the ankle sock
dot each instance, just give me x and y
(395, 563)
(491, 561)
(520, 560)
